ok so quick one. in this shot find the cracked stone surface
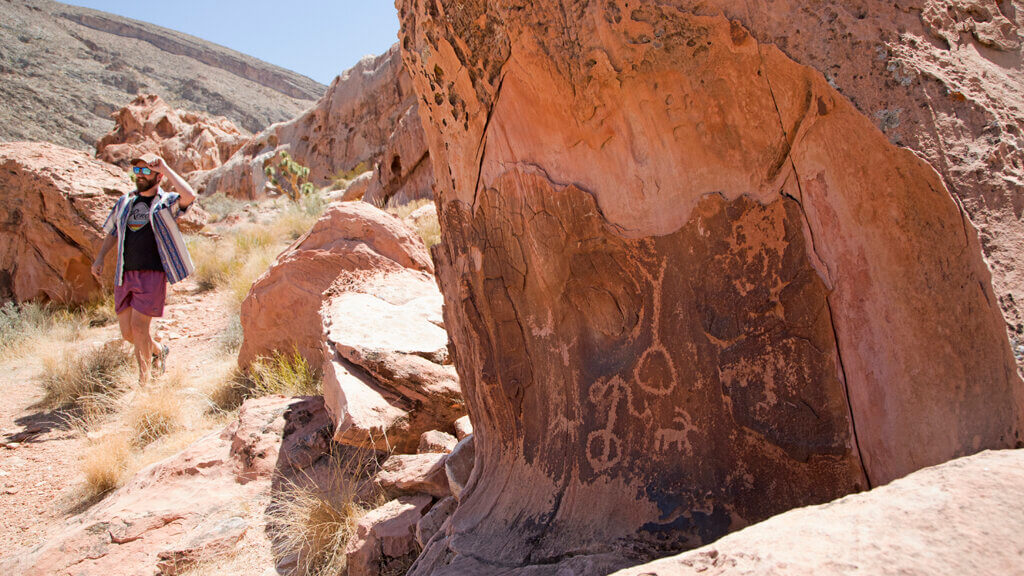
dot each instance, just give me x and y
(689, 283)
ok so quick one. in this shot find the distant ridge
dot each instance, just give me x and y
(65, 69)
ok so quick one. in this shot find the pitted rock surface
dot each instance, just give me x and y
(690, 285)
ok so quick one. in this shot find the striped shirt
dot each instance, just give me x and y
(169, 243)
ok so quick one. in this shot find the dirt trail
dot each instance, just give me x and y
(40, 477)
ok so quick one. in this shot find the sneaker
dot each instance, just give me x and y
(160, 360)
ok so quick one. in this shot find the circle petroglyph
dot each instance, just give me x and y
(655, 373)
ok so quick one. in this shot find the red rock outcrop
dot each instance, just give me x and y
(352, 240)
(188, 141)
(52, 208)
(962, 517)
(368, 116)
(690, 284)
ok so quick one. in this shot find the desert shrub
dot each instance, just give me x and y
(287, 374)
(231, 337)
(214, 262)
(22, 325)
(78, 377)
(105, 463)
(298, 218)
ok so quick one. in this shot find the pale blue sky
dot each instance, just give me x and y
(317, 38)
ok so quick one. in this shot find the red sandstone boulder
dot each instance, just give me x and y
(52, 208)
(690, 283)
(433, 441)
(188, 141)
(962, 517)
(350, 241)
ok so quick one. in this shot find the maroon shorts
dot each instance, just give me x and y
(143, 290)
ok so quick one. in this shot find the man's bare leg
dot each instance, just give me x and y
(124, 321)
(144, 345)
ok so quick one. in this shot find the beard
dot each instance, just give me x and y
(142, 185)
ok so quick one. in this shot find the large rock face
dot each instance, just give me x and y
(368, 112)
(963, 517)
(188, 141)
(53, 202)
(352, 240)
(691, 285)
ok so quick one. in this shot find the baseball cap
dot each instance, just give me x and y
(148, 158)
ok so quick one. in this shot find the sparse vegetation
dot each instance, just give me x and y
(235, 260)
(84, 377)
(153, 414)
(219, 206)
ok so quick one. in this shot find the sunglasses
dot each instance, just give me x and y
(141, 170)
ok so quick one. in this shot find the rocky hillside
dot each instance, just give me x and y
(64, 70)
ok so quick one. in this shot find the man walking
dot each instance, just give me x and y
(150, 253)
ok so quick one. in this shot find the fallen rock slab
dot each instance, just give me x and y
(961, 517)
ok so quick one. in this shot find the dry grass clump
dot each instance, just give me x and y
(106, 464)
(287, 374)
(428, 227)
(316, 518)
(81, 377)
(246, 251)
(153, 414)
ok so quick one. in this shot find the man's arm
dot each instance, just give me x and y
(187, 194)
(108, 243)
